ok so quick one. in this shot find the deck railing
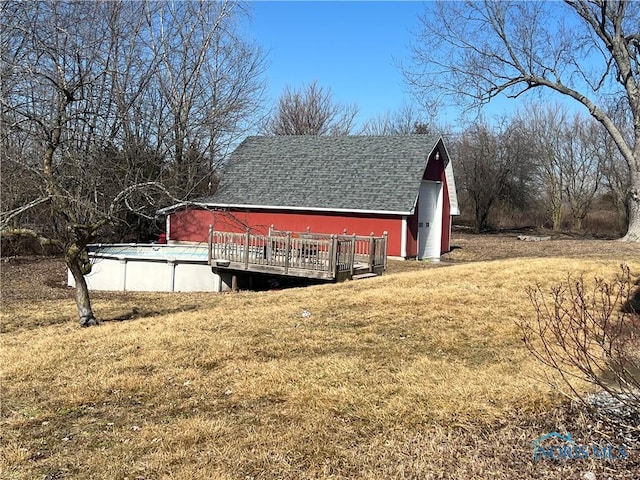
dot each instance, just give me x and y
(322, 255)
(370, 249)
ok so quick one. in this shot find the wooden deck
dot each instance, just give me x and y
(298, 254)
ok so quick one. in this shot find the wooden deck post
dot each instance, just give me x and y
(385, 236)
(246, 250)
(372, 252)
(210, 243)
(333, 256)
(353, 252)
(287, 253)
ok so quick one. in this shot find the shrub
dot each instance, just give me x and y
(589, 332)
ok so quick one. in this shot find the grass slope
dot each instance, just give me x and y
(411, 375)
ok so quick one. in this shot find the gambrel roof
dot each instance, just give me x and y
(380, 174)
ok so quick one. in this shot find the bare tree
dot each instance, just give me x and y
(616, 177)
(569, 158)
(480, 178)
(209, 84)
(57, 104)
(546, 125)
(405, 121)
(84, 115)
(492, 168)
(311, 110)
(583, 159)
(584, 50)
(616, 181)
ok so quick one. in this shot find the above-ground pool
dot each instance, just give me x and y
(152, 268)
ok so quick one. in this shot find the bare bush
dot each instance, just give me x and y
(311, 110)
(589, 332)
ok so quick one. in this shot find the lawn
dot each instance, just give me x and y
(420, 373)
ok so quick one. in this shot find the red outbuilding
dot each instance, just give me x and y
(402, 185)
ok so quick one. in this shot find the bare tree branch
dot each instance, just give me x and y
(6, 217)
(471, 52)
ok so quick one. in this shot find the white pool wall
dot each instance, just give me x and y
(152, 268)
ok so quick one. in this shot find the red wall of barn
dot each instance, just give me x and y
(193, 225)
(445, 244)
(412, 234)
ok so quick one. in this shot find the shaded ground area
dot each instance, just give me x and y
(24, 279)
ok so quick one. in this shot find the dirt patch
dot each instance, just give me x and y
(25, 279)
(468, 247)
(471, 248)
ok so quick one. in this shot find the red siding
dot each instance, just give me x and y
(445, 242)
(189, 225)
(193, 225)
(412, 235)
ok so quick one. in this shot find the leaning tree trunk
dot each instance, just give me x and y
(633, 232)
(79, 266)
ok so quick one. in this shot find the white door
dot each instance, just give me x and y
(430, 220)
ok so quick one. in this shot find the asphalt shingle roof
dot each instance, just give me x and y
(360, 173)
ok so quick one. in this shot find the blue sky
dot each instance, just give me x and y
(350, 47)
(354, 49)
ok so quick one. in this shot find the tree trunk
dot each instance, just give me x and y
(577, 222)
(479, 221)
(556, 220)
(482, 223)
(633, 232)
(556, 213)
(78, 268)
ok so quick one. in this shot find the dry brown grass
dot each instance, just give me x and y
(468, 247)
(411, 375)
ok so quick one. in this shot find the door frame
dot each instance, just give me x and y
(434, 218)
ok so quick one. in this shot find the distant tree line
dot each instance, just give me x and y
(542, 167)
